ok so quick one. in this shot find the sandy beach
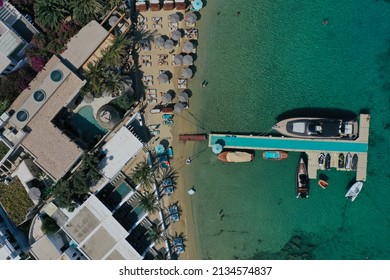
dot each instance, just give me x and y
(155, 60)
(187, 223)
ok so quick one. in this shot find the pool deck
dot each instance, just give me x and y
(312, 147)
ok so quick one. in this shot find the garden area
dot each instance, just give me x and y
(15, 201)
(3, 149)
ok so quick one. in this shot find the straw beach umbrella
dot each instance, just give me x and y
(169, 44)
(178, 59)
(186, 73)
(176, 35)
(188, 60)
(174, 18)
(179, 107)
(188, 47)
(191, 18)
(160, 42)
(166, 98)
(163, 78)
(183, 97)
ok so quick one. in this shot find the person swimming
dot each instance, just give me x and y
(325, 21)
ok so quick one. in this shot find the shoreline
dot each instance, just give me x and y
(186, 225)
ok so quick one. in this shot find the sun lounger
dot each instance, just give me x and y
(178, 245)
(167, 182)
(174, 214)
(173, 26)
(169, 190)
(182, 83)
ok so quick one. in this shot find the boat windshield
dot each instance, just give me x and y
(314, 128)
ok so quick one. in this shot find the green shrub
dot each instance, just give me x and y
(49, 225)
(15, 201)
(3, 149)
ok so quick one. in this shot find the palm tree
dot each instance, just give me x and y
(144, 174)
(149, 203)
(114, 83)
(85, 10)
(155, 234)
(121, 43)
(167, 173)
(110, 57)
(108, 5)
(94, 76)
(50, 13)
(161, 256)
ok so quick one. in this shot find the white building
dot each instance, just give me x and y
(90, 232)
(10, 239)
(16, 33)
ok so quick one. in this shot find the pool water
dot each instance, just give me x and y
(138, 210)
(87, 124)
(288, 144)
(123, 189)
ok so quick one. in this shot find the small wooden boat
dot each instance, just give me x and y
(341, 160)
(302, 187)
(323, 184)
(275, 155)
(235, 156)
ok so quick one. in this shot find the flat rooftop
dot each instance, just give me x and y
(84, 44)
(98, 234)
(51, 148)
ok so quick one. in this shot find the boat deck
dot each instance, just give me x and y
(313, 147)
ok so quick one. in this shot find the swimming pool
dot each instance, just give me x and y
(276, 143)
(87, 124)
(123, 189)
(138, 210)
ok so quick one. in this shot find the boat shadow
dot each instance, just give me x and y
(350, 183)
(319, 113)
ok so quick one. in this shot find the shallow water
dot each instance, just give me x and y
(276, 59)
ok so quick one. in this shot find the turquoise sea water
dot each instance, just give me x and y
(276, 59)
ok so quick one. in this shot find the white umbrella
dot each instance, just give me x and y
(176, 35)
(160, 42)
(191, 18)
(169, 44)
(174, 18)
(183, 97)
(187, 60)
(217, 148)
(34, 193)
(178, 59)
(188, 47)
(179, 107)
(163, 78)
(186, 73)
(166, 98)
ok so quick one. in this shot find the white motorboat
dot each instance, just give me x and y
(354, 191)
(312, 128)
